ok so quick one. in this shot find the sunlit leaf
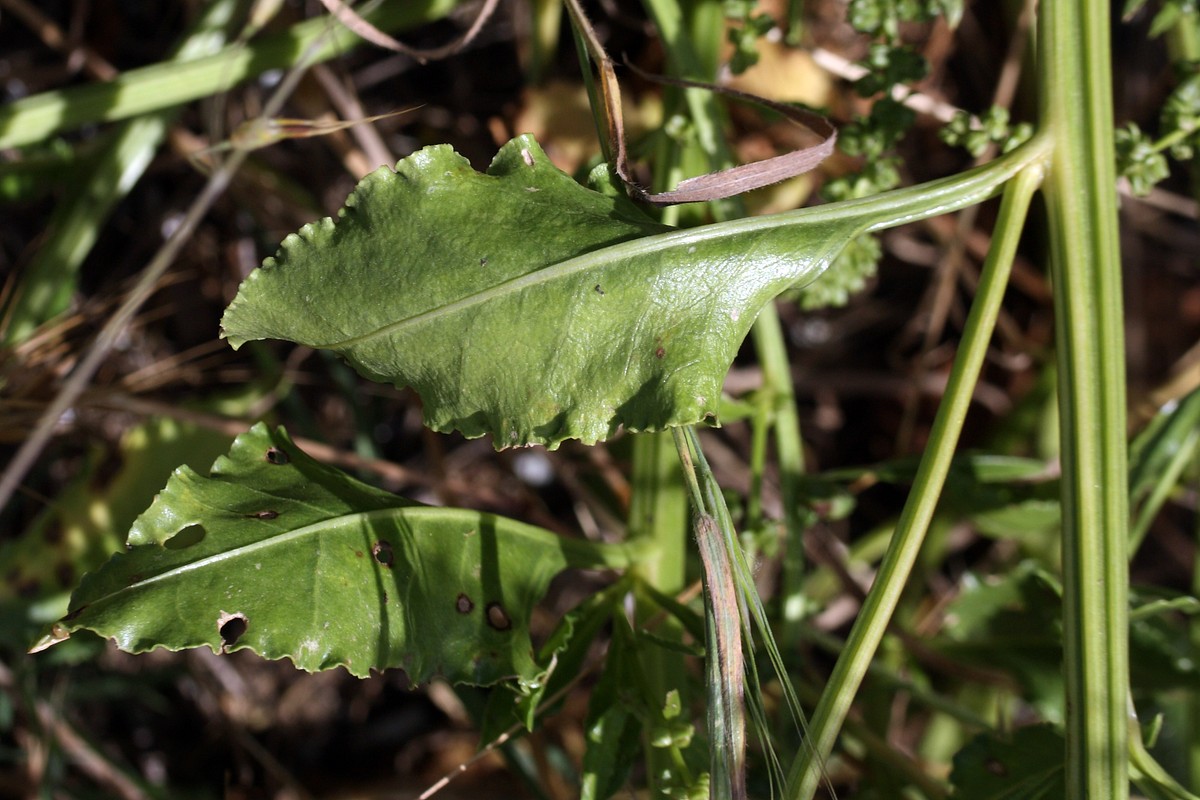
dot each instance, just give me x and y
(521, 304)
(276, 553)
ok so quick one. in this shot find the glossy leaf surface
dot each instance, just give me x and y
(279, 554)
(521, 304)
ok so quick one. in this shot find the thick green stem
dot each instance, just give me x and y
(918, 512)
(1076, 97)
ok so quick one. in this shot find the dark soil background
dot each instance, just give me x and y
(83, 720)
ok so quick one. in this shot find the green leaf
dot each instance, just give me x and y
(612, 727)
(1181, 115)
(277, 553)
(521, 304)
(1138, 159)
(1026, 766)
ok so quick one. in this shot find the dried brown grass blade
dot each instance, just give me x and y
(350, 18)
(716, 185)
(745, 177)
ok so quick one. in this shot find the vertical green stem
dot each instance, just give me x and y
(658, 513)
(1076, 97)
(777, 382)
(658, 510)
(914, 521)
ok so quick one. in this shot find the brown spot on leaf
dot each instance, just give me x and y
(660, 351)
(382, 551)
(483, 261)
(463, 604)
(231, 627)
(497, 617)
(277, 456)
(263, 515)
(994, 766)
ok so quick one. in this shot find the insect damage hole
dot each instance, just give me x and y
(276, 456)
(231, 627)
(497, 617)
(463, 604)
(186, 537)
(382, 551)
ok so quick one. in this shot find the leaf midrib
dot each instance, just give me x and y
(871, 213)
(574, 553)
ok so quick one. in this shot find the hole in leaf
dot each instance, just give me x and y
(231, 627)
(383, 553)
(497, 617)
(192, 534)
(463, 604)
(277, 456)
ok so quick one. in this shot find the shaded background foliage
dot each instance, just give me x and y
(868, 377)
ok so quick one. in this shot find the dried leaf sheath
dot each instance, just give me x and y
(724, 664)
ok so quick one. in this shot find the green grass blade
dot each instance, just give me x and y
(918, 512)
(168, 84)
(47, 283)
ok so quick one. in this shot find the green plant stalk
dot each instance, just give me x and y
(1076, 95)
(1148, 774)
(168, 84)
(918, 512)
(658, 511)
(658, 518)
(546, 16)
(789, 450)
(49, 281)
(768, 334)
(692, 35)
(760, 430)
